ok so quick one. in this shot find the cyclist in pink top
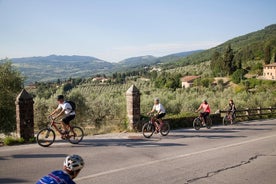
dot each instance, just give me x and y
(205, 107)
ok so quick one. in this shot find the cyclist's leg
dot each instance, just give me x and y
(205, 114)
(202, 116)
(159, 117)
(66, 122)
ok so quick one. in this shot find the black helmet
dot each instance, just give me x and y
(60, 97)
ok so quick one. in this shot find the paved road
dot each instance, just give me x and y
(243, 153)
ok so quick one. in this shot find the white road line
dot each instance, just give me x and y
(172, 158)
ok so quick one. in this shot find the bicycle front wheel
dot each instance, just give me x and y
(45, 137)
(197, 123)
(226, 120)
(165, 129)
(148, 130)
(75, 135)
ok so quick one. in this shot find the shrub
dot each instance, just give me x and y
(13, 141)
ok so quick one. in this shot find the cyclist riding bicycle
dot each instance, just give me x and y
(160, 112)
(231, 110)
(206, 110)
(66, 110)
(71, 168)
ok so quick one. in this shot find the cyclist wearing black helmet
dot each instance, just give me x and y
(66, 110)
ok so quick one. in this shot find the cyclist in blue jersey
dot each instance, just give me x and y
(71, 168)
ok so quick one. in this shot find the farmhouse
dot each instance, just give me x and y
(188, 81)
(269, 71)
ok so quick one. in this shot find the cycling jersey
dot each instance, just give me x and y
(159, 107)
(56, 177)
(205, 107)
(68, 108)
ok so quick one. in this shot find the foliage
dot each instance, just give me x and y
(168, 80)
(14, 141)
(11, 82)
(238, 75)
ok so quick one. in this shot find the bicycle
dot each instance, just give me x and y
(151, 126)
(229, 118)
(198, 122)
(47, 136)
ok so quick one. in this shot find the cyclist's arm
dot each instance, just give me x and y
(55, 111)
(60, 113)
(200, 107)
(152, 110)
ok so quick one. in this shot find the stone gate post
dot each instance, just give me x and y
(133, 106)
(24, 115)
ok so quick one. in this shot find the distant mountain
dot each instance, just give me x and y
(55, 67)
(247, 47)
(176, 56)
(147, 60)
(137, 61)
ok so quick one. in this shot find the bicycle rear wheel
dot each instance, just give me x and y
(208, 122)
(197, 123)
(46, 137)
(226, 120)
(75, 135)
(165, 129)
(148, 130)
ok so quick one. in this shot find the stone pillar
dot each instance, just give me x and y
(133, 106)
(24, 115)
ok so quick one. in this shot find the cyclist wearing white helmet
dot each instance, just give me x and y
(160, 112)
(71, 168)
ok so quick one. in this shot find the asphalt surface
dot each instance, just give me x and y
(242, 153)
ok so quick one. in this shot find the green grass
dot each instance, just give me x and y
(9, 141)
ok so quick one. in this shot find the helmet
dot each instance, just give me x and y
(73, 162)
(60, 97)
(156, 99)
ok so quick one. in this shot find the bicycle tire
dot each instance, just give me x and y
(165, 129)
(208, 122)
(148, 130)
(46, 137)
(226, 120)
(75, 135)
(197, 123)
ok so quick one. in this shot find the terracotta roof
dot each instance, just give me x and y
(189, 78)
(273, 64)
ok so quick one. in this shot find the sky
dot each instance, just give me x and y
(114, 30)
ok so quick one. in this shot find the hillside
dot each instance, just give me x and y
(150, 60)
(259, 45)
(55, 67)
(248, 47)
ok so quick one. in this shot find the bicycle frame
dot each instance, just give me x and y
(54, 124)
(155, 123)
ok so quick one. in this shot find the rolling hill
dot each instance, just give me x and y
(248, 47)
(55, 67)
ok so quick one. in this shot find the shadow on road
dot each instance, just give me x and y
(127, 142)
(39, 156)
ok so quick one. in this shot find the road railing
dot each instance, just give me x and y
(249, 112)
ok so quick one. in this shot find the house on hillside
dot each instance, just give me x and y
(269, 71)
(188, 81)
(100, 79)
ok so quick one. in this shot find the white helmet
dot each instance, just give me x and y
(74, 162)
